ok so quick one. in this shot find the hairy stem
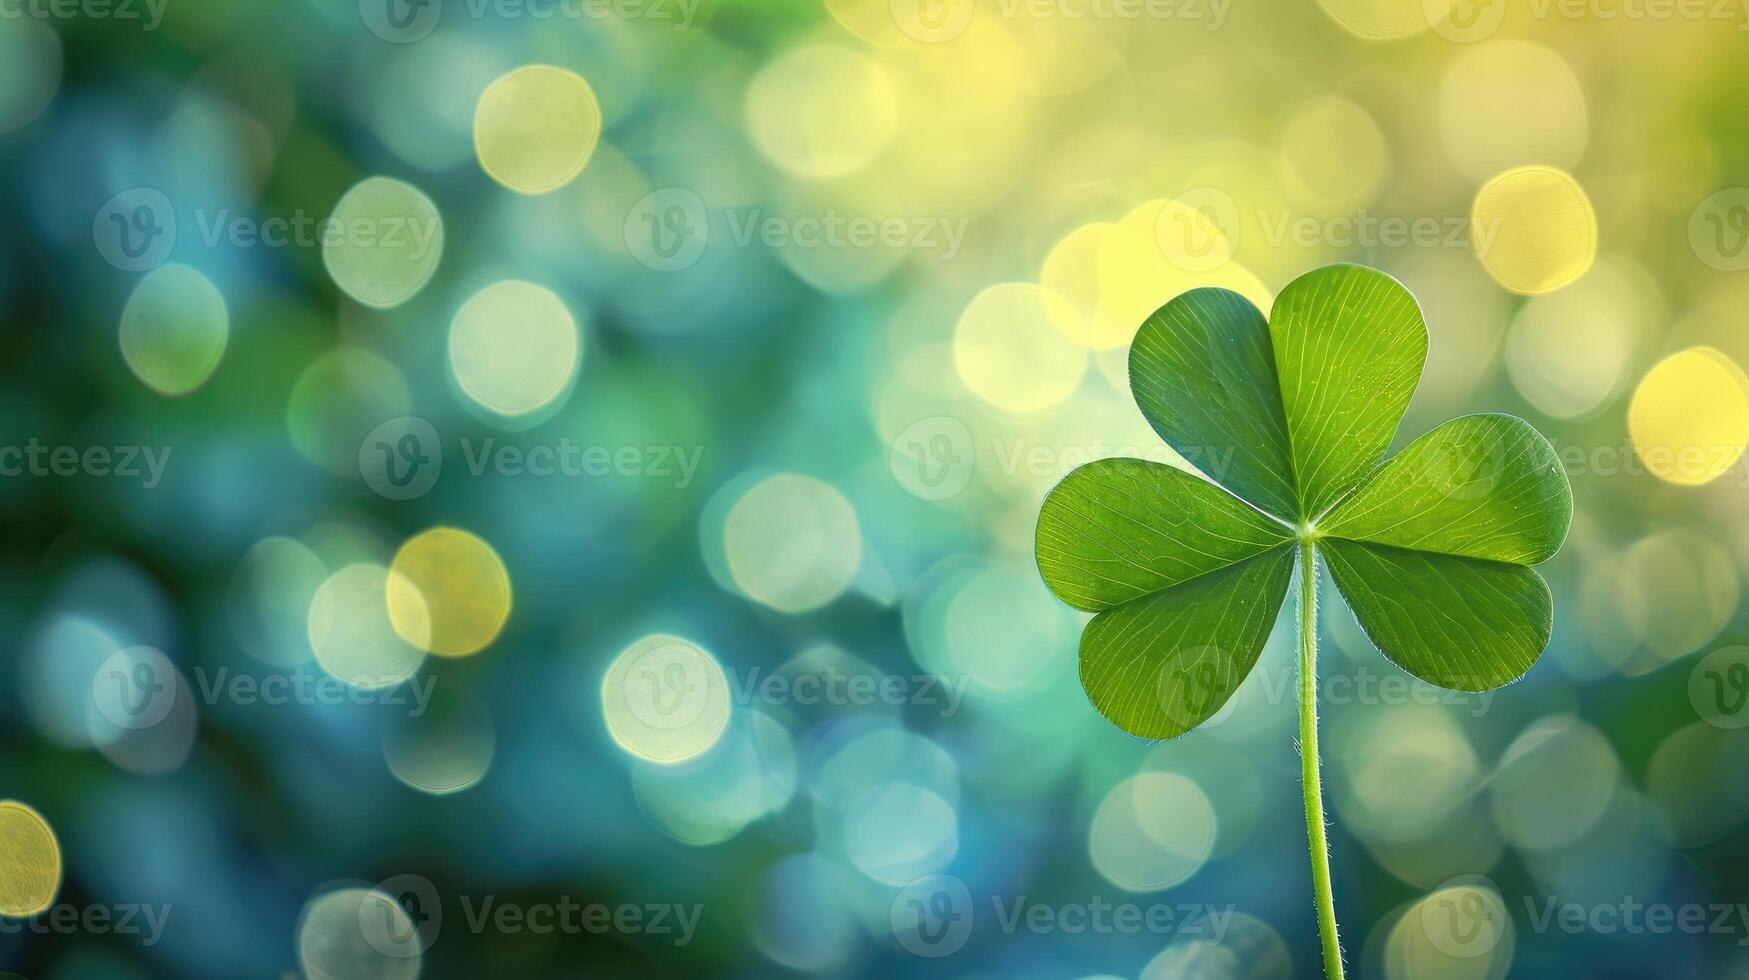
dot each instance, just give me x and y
(1314, 794)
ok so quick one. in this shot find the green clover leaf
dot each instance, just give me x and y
(1431, 548)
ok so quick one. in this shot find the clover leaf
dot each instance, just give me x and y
(1431, 548)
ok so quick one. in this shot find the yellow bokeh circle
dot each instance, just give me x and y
(383, 242)
(1507, 101)
(1462, 930)
(1152, 831)
(536, 127)
(1691, 588)
(456, 583)
(1533, 229)
(514, 347)
(354, 933)
(1689, 418)
(174, 329)
(792, 542)
(1010, 352)
(447, 749)
(1102, 280)
(351, 635)
(1385, 20)
(1568, 352)
(665, 699)
(821, 111)
(1335, 154)
(30, 861)
(1071, 281)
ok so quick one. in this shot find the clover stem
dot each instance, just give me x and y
(1314, 795)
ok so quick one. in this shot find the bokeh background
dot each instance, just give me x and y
(628, 503)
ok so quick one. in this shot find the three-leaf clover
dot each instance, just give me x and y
(1290, 417)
